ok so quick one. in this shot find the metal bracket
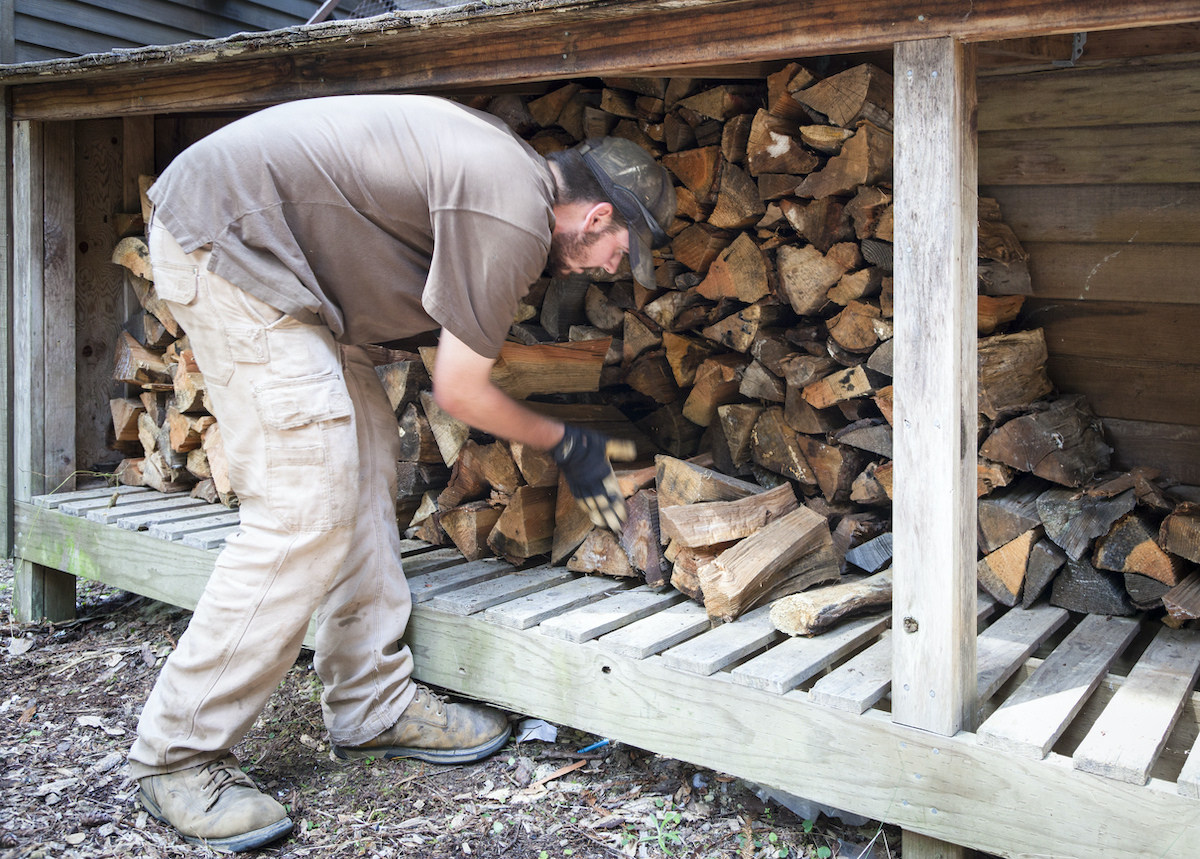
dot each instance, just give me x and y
(1077, 44)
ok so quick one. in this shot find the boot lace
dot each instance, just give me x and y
(431, 700)
(221, 775)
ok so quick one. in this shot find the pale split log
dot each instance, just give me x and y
(1012, 371)
(777, 447)
(681, 482)
(125, 413)
(813, 612)
(738, 272)
(601, 553)
(717, 382)
(402, 380)
(526, 527)
(708, 523)
(806, 276)
(826, 225)
(861, 92)
(737, 421)
(865, 159)
(874, 485)
(1180, 532)
(698, 170)
(995, 312)
(1008, 512)
(686, 355)
(788, 555)
(773, 146)
(834, 466)
(187, 431)
(738, 204)
(136, 365)
(838, 387)
(469, 525)
(129, 471)
(450, 433)
(1045, 560)
(737, 331)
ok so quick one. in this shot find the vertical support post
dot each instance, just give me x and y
(43, 345)
(6, 317)
(936, 228)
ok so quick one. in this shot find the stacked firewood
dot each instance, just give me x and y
(755, 379)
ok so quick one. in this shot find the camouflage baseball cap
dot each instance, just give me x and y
(642, 191)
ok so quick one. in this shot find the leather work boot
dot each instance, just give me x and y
(215, 804)
(431, 730)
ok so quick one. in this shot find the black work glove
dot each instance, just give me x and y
(583, 458)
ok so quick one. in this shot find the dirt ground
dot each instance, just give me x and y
(69, 709)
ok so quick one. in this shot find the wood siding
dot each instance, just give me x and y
(47, 29)
(1096, 172)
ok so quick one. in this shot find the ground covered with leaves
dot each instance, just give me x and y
(69, 710)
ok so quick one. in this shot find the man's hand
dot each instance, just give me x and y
(583, 458)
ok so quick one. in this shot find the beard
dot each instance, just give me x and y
(567, 250)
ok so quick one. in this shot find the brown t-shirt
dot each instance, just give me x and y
(387, 215)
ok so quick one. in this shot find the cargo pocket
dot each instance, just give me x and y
(178, 283)
(311, 451)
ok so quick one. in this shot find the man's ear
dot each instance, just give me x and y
(598, 217)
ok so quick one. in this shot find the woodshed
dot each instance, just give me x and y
(1040, 730)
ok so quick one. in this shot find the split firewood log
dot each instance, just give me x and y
(790, 554)
(821, 609)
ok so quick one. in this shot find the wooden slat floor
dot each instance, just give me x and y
(1115, 697)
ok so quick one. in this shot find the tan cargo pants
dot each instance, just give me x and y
(312, 447)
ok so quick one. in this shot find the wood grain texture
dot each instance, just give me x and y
(1071, 98)
(1127, 738)
(1128, 154)
(935, 381)
(553, 41)
(1164, 213)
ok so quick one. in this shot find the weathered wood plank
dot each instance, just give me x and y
(858, 682)
(1171, 448)
(1133, 154)
(1005, 645)
(1131, 732)
(595, 619)
(484, 595)
(168, 503)
(428, 581)
(84, 506)
(54, 500)
(528, 611)
(143, 521)
(1114, 271)
(172, 531)
(794, 660)
(1131, 214)
(209, 538)
(935, 381)
(656, 633)
(1129, 95)
(605, 693)
(554, 40)
(718, 648)
(1036, 714)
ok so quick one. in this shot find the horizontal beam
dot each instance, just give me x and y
(561, 40)
(942, 787)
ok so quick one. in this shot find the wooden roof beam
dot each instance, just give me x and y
(555, 40)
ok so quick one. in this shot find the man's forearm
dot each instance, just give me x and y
(490, 410)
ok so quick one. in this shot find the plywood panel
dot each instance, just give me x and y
(1134, 154)
(1171, 448)
(1131, 214)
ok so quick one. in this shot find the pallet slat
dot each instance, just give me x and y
(83, 506)
(1036, 714)
(211, 538)
(594, 620)
(1007, 643)
(144, 521)
(1131, 732)
(718, 648)
(54, 500)
(793, 661)
(166, 504)
(656, 633)
(860, 681)
(483, 595)
(179, 530)
(447, 577)
(529, 611)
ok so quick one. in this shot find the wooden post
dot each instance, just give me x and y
(43, 312)
(933, 679)
(6, 284)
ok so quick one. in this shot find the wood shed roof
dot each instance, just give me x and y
(517, 41)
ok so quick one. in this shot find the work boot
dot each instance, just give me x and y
(215, 804)
(431, 730)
